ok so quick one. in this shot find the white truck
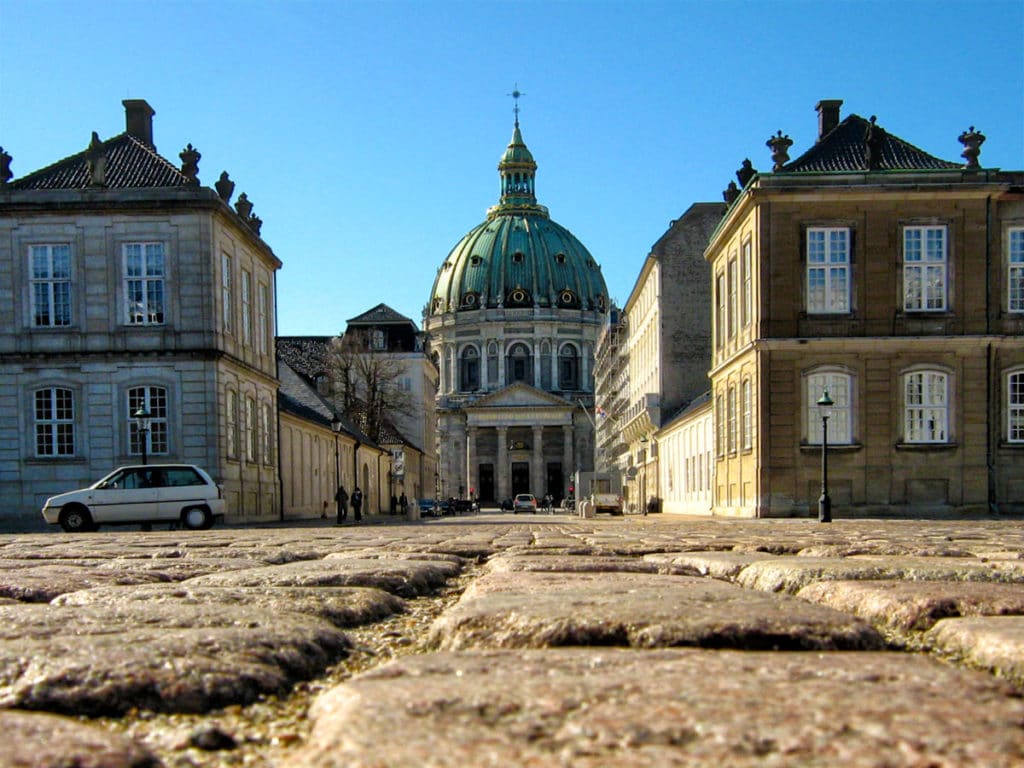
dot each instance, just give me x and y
(605, 491)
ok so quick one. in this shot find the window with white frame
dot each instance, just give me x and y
(246, 308)
(227, 296)
(839, 386)
(733, 307)
(1015, 407)
(720, 424)
(720, 310)
(378, 339)
(925, 269)
(50, 278)
(747, 415)
(231, 423)
(731, 416)
(153, 400)
(1015, 270)
(267, 433)
(251, 432)
(828, 270)
(261, 318)
(747, 304)
(55, 422)
(144, 276)
(926, 407)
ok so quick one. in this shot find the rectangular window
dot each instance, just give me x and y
(747, 423)
(50, 270)
(840, 415)
(828, 270)
(227, 296)
(144, 275)
(732, 309)
(720, 424)
(720, 310)
(231, 423)
(924, 269)
(267, 433)
(747, 303)
(1015, 407)
(1015, 271)
(926, 410)
(378, 339)
(731, 416)
(55, 422)
(246, 308)
(251, 437)
(153, 400)
(261, 318)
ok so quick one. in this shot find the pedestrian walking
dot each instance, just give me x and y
(357, 504)
(394, 505)
(342, 498)
(403, 503)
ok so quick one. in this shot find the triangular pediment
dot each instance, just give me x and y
(520, 395)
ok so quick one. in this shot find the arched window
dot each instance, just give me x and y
(469, 369)
(840, 420)
(569, 367)
(55, 422)
(154, 400)
(926, 407)
(519, 365)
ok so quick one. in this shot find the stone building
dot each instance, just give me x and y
(511, 322)
(128, 286)
(895, 281)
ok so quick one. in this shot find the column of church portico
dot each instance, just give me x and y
(538, 484)
(568, 466)
(502, 462)
(471, 478)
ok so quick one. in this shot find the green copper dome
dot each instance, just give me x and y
(518, 257)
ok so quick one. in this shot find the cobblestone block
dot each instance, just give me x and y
(50, 741)
(791, 574)
(591, 707)
(916, 605)
(584, 563)
(531, 609)
(718, 565)
(992, 643)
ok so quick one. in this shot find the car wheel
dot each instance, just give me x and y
(74, 518)
(197, 518)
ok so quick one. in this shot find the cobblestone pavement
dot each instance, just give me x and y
(494, 640)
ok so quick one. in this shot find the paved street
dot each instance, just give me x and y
(501, 640)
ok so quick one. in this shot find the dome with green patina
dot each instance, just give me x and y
(518, 257)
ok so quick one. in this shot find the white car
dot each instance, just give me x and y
(524, 502)
(144, 494)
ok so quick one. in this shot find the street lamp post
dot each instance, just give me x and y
(824, 502)
(142, 417)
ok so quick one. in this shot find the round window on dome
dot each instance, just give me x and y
(518, 298)
(567, 298)
(470, 300)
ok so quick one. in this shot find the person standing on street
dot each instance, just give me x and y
(357, 504)
(342, 498)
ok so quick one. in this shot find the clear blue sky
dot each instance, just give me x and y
(367, 134)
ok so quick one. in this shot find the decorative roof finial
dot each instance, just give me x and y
(516, 93)
(972, 141)
(5, 167)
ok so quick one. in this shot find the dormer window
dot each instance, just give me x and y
(517, 257)
(475, 260)
(560, 258)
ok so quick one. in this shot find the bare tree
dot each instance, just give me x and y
(367, 384)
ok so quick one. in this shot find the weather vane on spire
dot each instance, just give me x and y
(516, 93)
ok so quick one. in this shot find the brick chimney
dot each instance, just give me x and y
(828, 115)
(138, 120)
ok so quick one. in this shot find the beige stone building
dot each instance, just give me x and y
(895, 281)
(511, 323)
(129, 286)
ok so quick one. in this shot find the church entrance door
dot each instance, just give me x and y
(521, 478)
(485, 491)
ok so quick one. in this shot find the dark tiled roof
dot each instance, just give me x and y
(379, 315)
(843, 150)
(297, 397)
(130, 164)
(307, 355)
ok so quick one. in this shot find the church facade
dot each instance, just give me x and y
(511, 324)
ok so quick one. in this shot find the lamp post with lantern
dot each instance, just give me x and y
(142, 417)
(825, 404)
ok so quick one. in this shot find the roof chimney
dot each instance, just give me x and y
(138, 120)
(828, 115)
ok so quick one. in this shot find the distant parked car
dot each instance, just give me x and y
(507, 504)
(145, 494)
(427, 507)
(524, 502)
